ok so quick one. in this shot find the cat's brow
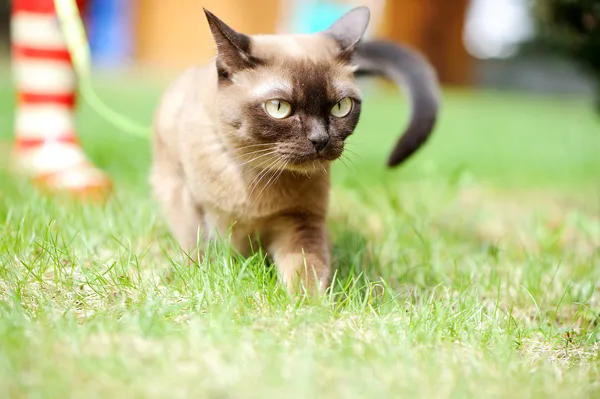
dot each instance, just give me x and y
(345, 89)
(277, 88)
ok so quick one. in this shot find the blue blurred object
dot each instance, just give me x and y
(316, 15)
(311, 16)
(109, 31)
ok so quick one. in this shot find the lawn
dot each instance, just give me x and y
(471, 271)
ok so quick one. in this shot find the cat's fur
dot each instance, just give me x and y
(220, 161)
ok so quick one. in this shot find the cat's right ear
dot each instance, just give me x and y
(233, 47)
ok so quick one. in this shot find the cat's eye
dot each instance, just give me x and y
(278, 109)
(342, 107)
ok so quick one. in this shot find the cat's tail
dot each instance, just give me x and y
(407, 69)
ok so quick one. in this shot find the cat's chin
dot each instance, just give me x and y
(308, 164)
(308, 167)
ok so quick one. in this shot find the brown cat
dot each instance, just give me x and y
(246, 141)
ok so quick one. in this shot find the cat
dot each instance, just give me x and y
(243, 145)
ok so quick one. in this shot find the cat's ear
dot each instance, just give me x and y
(233, 47)
(350, 28)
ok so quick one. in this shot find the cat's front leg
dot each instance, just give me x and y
(299, 246)
(183, 215)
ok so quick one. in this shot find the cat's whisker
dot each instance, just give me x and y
(238, 152)
(229, 133)
(267, 145)
(257, 151)
(237, 166)
(323, 167)
(343, 160)
(278, 172)
(251, 153)
(258, 144)
(256, 181)
(353, 152)
(266, 184)
(259, 165)
(282, 170)
(351, 161)
(260, 154)
(257, 158)
(355, 141)
(258, 178)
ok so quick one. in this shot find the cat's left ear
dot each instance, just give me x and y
(350, 28)
(233, 47)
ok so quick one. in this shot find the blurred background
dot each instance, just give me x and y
(522, 44)
(520, 82)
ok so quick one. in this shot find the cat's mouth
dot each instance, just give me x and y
(308, 163)
(299, 157)
(298, 160)
(292, 159)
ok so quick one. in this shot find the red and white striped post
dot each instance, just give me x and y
(47, 148)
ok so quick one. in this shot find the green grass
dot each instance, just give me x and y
(472, 271)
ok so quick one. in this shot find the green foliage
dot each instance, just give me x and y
(573, 28)
(472, 271)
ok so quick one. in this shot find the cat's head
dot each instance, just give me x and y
(289, 101)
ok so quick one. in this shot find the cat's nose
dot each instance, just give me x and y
(320, 141)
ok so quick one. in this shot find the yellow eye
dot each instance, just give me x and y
(278, 109)
(342, 108)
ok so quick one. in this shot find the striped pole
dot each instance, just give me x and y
(47, 149)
